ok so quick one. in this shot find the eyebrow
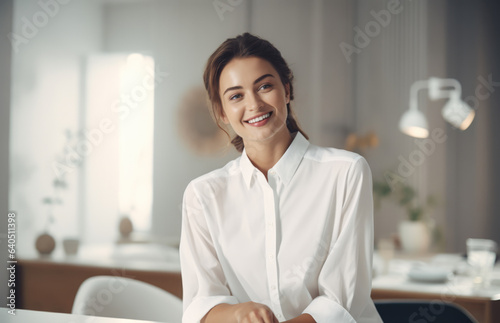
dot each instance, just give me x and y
(254, 82)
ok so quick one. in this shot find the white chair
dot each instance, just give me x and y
(120, 297)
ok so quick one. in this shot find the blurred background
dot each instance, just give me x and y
(104, 119)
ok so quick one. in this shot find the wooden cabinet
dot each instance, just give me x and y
(51, 286)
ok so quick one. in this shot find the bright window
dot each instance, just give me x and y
(118, 174)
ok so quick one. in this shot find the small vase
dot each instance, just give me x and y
(45, 244)
(125, 227)
(415, 236)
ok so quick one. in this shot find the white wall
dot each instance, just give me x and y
(46, 99)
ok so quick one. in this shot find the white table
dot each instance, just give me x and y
(27, 316)
(483, 304)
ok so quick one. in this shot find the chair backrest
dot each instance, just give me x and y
(422, 311)
(112, 296)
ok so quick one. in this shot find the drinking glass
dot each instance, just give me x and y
(481, 254)
(386, 250)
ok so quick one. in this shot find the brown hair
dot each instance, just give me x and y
(246, 45)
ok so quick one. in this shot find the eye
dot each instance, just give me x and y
(235, 97)
(265, 86)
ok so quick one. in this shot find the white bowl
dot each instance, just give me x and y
(429, 274)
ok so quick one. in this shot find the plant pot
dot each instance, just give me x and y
(415, 236)
(70, 246)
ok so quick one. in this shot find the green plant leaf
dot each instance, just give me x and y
(59, 183)
(381, 189)
(415, 214)
(432, 201)
(47, 200)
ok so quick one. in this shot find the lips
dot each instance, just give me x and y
(259, 117)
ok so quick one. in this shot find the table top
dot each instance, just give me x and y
(145, 257)
(28, 316)
(396, 277)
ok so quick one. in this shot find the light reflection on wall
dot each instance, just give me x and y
(118, 174)
(136, 142)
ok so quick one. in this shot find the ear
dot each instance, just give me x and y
(287, 92)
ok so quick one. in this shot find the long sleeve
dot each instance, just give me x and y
(203, 281)
(345, 279)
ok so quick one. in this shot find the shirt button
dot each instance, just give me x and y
(270, 256)
(280, 316)
(273, 287)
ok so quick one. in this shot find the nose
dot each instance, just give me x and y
(254, 101)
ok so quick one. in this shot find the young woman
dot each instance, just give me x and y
(284, 232)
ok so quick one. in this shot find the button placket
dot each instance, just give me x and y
(272, 266)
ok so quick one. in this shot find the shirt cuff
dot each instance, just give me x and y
(200, 307)
(325, 310)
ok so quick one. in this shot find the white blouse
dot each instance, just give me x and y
(299, 242)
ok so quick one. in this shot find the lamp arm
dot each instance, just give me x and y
(436, 91)
(437, 88)
(415, 87)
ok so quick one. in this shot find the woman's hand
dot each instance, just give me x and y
(248, 312)
(251, 312)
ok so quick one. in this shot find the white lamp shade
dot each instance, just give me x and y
(458, 113)
(413, 123)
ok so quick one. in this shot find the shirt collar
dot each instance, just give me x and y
(285, 167)
(247, 168)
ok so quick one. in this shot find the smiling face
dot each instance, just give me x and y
(254, 100)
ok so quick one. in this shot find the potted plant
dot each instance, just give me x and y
(415, 231)
(45, 242)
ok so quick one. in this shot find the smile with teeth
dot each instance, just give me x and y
(265, 116)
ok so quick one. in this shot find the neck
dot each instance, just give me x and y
(264, 155)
